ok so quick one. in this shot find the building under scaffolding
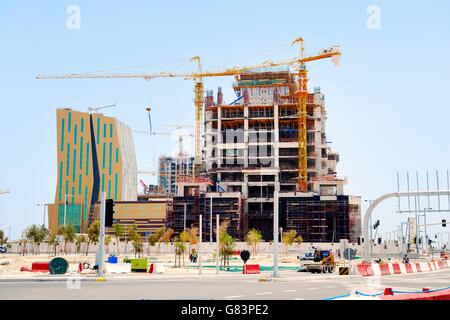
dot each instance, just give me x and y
(251, 148)
(320, 220)
(184, 211)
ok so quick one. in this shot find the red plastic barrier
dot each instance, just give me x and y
(236, 252)
(251, 269)
(25, 269)
(397, 269)
(40, 267)
(384, 268)
(441, 265)
(408, 268)
(419, 269)
(369, 269)
(362, 268)
(437, 295)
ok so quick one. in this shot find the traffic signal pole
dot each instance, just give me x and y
(100, 256)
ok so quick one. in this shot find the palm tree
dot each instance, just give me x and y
(2, 237)
(131, 234)
(158, 236)
(167, 235)
(151, 242)
(107, 243)
(193, 237)
(180, 248)
(79, 240)
(93, 234)
(253, 238)
(288, 239)
(69, 233)
(118, 231)
(52, 241)
(184, 238)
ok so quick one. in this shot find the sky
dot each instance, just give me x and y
(387, 102)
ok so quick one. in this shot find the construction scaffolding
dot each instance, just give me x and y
(185, 211)
(318, 220)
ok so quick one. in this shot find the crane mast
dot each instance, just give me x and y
(301, 93)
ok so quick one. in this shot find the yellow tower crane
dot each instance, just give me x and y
(301, 92)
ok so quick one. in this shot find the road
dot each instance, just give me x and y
(293, 286)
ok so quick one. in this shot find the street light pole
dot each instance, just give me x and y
(210, 221)
(184, 217)
(65, 205)
(45, 205)
(275, 232)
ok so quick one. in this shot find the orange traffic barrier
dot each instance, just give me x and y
(384, 268)
(251, 269)
(396, 268)
(40, 267)
(419, 269)
(408, 268)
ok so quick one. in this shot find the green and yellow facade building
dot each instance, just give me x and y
(95, 153)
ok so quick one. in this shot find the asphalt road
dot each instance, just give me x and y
(299, 286)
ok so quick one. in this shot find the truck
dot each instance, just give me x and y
(322, 262)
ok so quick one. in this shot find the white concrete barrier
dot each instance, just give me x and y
(413, 267)
(118, 267)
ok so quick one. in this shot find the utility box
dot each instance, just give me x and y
(137, 265)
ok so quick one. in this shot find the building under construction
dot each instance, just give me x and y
(251, 148)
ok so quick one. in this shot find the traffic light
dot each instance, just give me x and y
(377, 223)
(109, 212)
(379, 240)
(420, 240)
(444, 223)
(415, 240)
(429, 242)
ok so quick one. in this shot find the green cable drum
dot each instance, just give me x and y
(58, 266)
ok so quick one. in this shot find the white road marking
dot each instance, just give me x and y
(299, 299)
(329, 287)
(263, 293)
(292, 290)
(311, 288)
(231, 297)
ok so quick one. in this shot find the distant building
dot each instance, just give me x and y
(95, 153)
(170, 169)
(148, 216)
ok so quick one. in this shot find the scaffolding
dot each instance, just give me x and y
(228, 207)
(319, 220)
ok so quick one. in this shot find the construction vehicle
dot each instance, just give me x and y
(301, 91)
(322, 262)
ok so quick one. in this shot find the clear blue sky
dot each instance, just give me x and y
(387, 102)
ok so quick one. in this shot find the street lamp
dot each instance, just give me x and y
(65, 205)
(45, 205)
(370, 221)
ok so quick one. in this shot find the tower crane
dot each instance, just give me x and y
(300, 72)
(95, 109)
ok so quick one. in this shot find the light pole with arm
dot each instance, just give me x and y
(45, 205)
(65, 205)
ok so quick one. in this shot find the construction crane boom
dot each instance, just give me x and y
(299, 64)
